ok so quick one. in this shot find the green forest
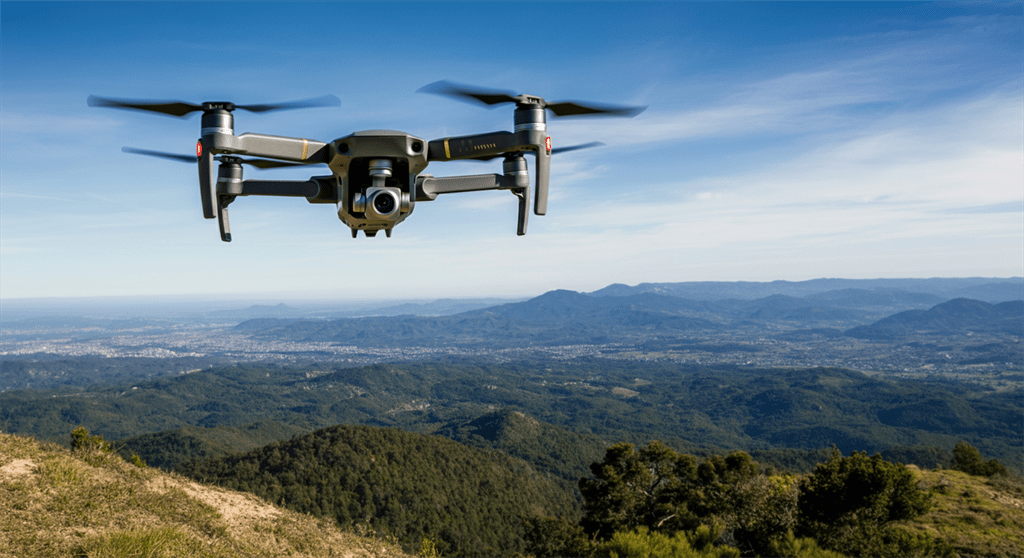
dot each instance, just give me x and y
(583, 457)
(430, 492)
(469, 502)
(781, 416)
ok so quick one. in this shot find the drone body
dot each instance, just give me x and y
(376, 175)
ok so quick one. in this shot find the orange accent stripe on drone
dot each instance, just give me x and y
(305, 148)
(447, 154)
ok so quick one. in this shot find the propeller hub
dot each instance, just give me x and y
(222, 105)
(529, 100)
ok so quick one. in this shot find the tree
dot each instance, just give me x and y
(968, 459)
(633, 488)
(849, 503)
(665, 492)
(761, 512)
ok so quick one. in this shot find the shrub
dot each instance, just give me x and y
(848, 504)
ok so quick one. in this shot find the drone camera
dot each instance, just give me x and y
(380, 201)
(383, 204)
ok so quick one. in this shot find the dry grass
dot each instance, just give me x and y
(57, 502)
(975, 515)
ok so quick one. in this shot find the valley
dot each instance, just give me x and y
(877, 327)
(338, 416)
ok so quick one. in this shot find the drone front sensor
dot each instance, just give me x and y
(376, 175)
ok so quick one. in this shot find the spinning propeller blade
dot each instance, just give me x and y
(468, 92)
(486, 96)
(182, 109)
(171, 156)
(569, 148)
(258, 163)
(325, 101)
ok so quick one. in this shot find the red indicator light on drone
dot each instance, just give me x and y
(199, 149)
(547, 144)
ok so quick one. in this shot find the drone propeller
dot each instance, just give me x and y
(182, 109)
(530, 128)
(258, 163)
(569, 148)
(485, 96)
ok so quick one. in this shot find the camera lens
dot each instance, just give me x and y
(384, 203)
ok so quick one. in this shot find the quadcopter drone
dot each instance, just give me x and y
(376, 175)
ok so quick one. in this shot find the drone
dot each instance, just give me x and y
(376, 175)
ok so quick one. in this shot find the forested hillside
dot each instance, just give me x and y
(468, 502)
(691, 408)
(434, 494)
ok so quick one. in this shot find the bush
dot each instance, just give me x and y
(642, 543)
(81, 440)
(848, 504)
(792, 547)
(556, 536)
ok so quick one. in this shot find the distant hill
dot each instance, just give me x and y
(874, 298)
(557, 317)
(281, 310)
(955, 316)
(59, 503)
(471, 502)
(620, 314)
(440, 307)
(169, 448)
(987, 289)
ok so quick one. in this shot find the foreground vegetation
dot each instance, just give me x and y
(438, 498)
(650, 501)
(90, 502)
(653, 502)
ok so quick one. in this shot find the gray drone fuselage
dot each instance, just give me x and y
(376, 178)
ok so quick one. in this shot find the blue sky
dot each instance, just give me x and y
(786, 141)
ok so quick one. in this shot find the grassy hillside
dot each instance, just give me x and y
(977, 516)
(58, 502)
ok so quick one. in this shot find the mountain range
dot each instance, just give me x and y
(957, 316)
(623, 314)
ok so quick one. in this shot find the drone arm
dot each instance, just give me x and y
(228, 189)
(274, 147)
(472, 147)
(288, 188)
(428, 187)
(516, 179)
